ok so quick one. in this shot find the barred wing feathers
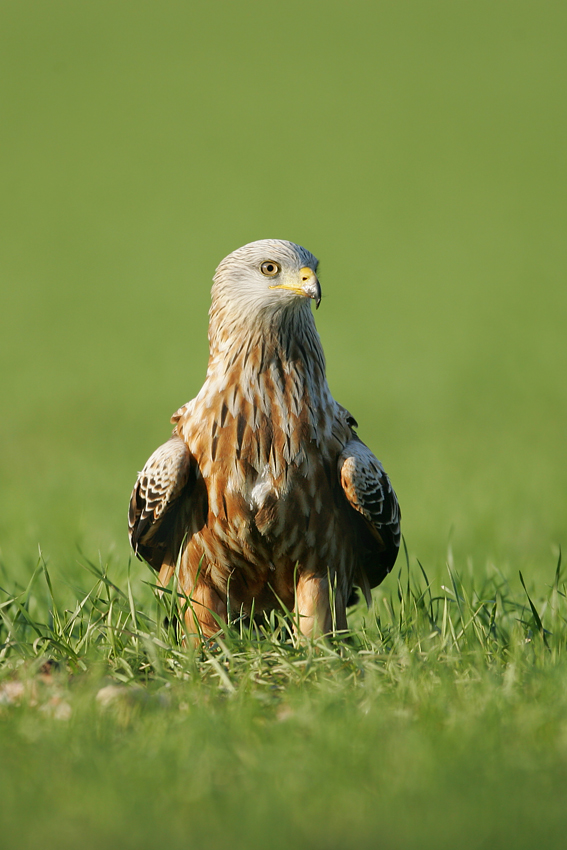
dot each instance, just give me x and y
(368, 490)
(165, 476)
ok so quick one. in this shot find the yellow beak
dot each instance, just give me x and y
(308, 285)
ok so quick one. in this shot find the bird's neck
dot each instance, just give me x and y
(279, 358)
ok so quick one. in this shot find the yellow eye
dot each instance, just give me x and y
(269, 268)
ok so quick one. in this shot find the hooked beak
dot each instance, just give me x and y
(308, 285)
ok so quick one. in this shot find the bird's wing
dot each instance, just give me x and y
(368, 490)
(160, 483)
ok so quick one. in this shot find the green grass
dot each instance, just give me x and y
(442, 712)
(417, 148)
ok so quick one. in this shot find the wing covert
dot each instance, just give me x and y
(368, 490)
(159, 485)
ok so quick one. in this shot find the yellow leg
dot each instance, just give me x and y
(313, 607)
(205, 603)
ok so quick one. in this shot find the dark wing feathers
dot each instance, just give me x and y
(157, 489)
(368, 490)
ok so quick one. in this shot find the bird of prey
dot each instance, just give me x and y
(264, 496)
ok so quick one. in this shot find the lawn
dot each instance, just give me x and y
(418, 149)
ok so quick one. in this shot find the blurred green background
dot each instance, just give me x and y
(417, 148)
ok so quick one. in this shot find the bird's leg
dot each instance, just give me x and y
(198, 601)
(318, 611)
(205, 602)
(165, 574)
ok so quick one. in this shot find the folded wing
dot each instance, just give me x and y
(369, 492)
(167, 475)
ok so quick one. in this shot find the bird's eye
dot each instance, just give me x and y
(269, 268)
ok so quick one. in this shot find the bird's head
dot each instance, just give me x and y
(263, 277)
